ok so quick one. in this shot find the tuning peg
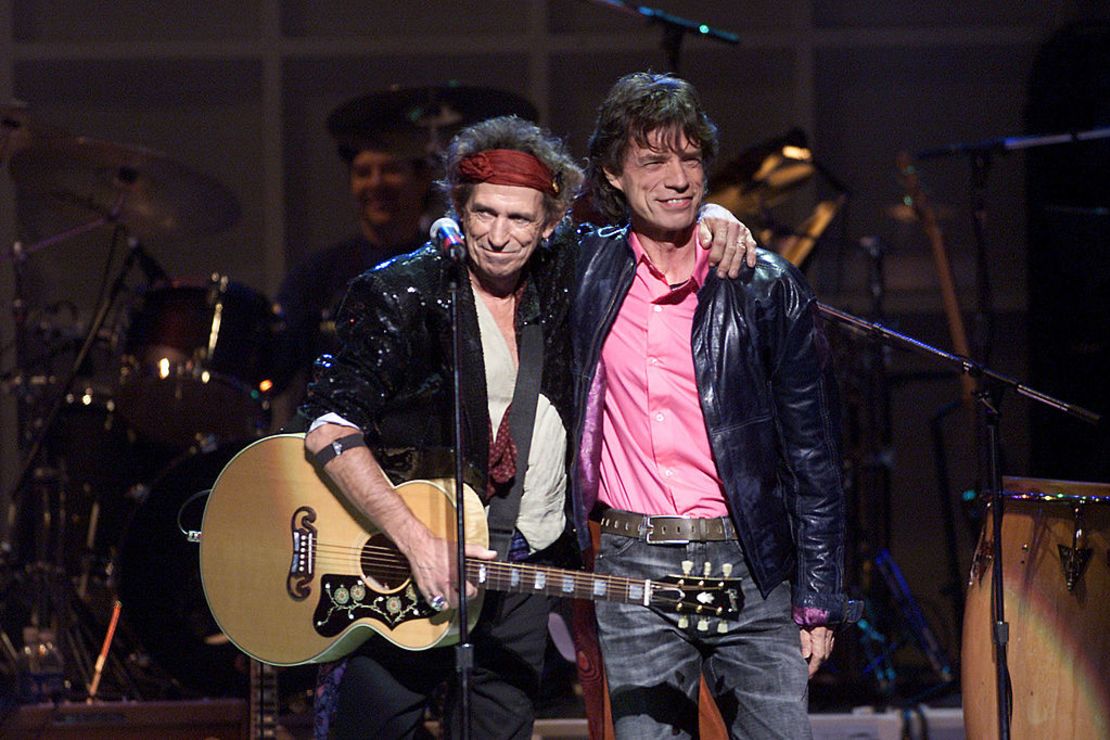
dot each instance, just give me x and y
(687, 567)
(683, 622)
(722, 627)
(703, 625)
(727, 569)
(707, 569)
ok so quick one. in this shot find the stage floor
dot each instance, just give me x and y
(227, 719)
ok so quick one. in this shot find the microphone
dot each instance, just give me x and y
(448, 238)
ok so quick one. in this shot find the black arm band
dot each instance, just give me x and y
(338, 446)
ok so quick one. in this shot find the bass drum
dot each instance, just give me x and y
(159, 581)
(1056, 585)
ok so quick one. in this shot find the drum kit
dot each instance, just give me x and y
(123, 420)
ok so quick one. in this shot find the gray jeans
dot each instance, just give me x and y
(754, 670)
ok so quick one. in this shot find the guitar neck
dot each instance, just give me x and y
(571, 584)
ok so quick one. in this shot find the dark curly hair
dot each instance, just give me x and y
(511, 132)
(637, 105)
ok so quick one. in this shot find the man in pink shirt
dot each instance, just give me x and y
(707, 437)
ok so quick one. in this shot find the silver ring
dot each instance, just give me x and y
(438, 603)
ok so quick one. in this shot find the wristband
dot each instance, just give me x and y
(337, 447)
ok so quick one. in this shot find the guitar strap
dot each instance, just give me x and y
(503, 510)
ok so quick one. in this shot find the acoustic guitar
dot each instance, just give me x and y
(293, 576)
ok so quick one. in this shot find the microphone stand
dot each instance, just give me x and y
(675, 28)
(992, 385)
(979, 157)
(53, 594)
(464, 651)
(135, 254)
(1009, 143)
(18, 257)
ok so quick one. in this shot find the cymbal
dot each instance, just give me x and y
(415, 121)
(140, 188)
(763, 176)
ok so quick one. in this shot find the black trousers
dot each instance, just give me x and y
(385, 689)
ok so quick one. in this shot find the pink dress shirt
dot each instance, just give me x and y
(655, 454)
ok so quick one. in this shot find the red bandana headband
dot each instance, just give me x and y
(508, 167)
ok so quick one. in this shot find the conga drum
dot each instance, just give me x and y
(1056, 599)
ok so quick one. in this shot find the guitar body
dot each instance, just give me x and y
(293, 576)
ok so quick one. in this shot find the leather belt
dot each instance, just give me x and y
(666, 530)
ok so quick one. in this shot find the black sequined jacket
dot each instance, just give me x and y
(392, 373)
(769, 399)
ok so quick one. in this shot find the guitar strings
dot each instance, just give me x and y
(387, 562)
(390, 558)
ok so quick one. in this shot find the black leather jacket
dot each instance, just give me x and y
(392, 375)
(769, 399)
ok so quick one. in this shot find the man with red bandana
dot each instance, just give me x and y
(510, 185)
(390, 141)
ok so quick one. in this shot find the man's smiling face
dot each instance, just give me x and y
(664, 183)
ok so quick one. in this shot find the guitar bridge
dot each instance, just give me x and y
(302, 569)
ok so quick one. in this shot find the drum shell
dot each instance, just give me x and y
(196, 362)
(1059, 639)
(180, 322)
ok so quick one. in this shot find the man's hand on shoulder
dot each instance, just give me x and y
(730, 242)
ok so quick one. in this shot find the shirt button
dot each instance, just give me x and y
(668, 472)
(653, 361)
(659, 417)
(657, 309)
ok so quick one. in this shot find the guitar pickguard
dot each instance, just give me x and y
(344, 599)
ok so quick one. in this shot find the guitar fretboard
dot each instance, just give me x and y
(521, 577)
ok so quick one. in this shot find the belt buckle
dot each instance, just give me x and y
(649, 534)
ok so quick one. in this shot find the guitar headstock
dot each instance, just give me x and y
(699, 596)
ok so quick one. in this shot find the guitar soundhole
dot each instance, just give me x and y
(383, 565)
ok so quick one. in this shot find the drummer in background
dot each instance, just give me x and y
(390, 141)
